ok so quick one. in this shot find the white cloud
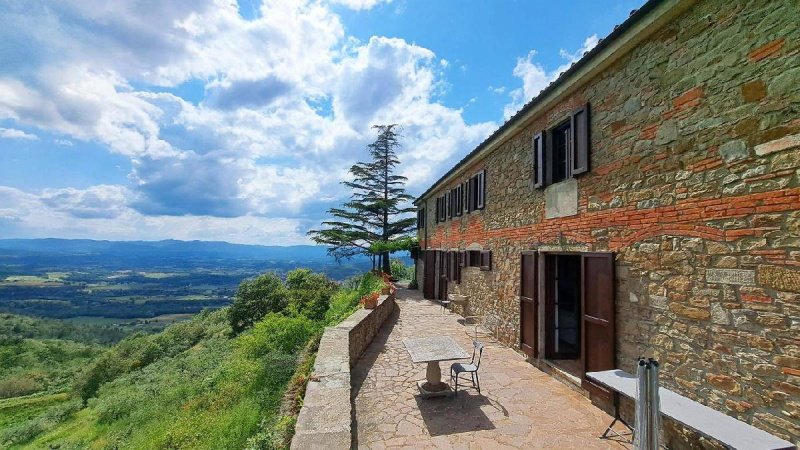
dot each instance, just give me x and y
(25, 214)
(288, 106)
(11, 133)
(535, 77)
(359, 5)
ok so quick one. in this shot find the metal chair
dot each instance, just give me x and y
(471, 368)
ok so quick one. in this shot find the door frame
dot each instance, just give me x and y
(530, 350)
(549, 313)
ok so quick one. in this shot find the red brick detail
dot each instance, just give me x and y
(705, 164)
(790, 371)
(689, 98)
(768, 50)
(756, 298)
(649, 132)
(685, 218)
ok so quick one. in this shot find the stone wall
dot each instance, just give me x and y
(325, 418)
(693, 183)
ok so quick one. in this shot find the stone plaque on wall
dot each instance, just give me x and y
(731, 276)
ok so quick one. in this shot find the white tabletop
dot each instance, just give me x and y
(432, 349)
(701, 418)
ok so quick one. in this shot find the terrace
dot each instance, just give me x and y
(518, 407)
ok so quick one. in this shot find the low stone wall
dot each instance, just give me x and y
(325, 419)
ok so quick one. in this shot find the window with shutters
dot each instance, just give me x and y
(448, 200)
(421, 218)
(563, 151)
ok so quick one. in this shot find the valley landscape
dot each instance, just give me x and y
(163, 344)
(142, 284)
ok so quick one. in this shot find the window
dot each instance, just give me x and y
(448, 200)
(421, 218)
(454, 266)
(458, 201)
(477, 191)
(486, 260)
(474, 258)
(441, 213)
(562, 152)
(561, 144)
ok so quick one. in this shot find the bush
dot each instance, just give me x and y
(401, 271)
(255, 298)
(309, 293)
(277, 334)
(17, 385)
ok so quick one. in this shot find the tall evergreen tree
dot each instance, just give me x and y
(375, 220)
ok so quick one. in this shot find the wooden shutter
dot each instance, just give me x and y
(538, 160)
(448, 205)
(529, 305)
(486, 260)
(429, 274)
(459, 201)
(548, 156)
(598, 347)
(580, 141)
(481, 189)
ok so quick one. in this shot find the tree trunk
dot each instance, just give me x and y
(387, 267)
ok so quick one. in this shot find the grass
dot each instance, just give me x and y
(19, 409)
(193, 386)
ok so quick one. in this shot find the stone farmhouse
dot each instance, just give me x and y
(646, 203)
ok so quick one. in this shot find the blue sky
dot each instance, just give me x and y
(204, 119)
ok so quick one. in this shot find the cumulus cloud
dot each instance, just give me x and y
(288, 104)
(535, 77)
(96, 202)
(11, 133)
(27, 214)
(359, 4)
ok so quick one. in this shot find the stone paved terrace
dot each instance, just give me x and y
(519, 405)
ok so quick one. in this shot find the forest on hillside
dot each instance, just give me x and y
(227, 378)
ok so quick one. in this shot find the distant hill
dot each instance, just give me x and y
(167, 248)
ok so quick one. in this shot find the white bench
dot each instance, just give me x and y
(709, 422)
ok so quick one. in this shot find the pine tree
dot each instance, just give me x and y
(374, 221)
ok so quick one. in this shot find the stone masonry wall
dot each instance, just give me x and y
(325, 419)
(693, 183)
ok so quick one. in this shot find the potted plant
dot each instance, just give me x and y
(370, 301)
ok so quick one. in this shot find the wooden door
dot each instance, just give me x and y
(429, 277)
(528, 305)
(598, 350)
(443, 271)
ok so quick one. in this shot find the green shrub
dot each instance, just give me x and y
(18, 385)
(370, 283)
(277, 334)
(309, 293)
(255, 298)
(400, 270)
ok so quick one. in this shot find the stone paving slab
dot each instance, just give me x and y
(519, 405)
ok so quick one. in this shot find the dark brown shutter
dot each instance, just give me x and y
(580, 141)
(481, 189)
(538, 160)
(486, 260)
(528, 305)
(459, 201)
(598, 348)
(429, 274)
(548, 156)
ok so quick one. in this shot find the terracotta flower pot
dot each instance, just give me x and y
(371, 301)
